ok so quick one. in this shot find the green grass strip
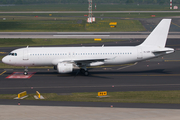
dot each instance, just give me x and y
(169, 97)
(46, 25)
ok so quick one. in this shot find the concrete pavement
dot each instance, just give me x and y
(8, 112)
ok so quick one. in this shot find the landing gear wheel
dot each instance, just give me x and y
(82, 71)
(86, 73)
(25, 73)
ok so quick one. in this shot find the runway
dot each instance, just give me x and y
(155, 76)
(105, 35)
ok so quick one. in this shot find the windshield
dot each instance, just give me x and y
(13, 54)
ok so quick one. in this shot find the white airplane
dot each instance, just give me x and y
(64, 59)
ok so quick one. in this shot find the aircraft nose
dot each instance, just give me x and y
(5, 60)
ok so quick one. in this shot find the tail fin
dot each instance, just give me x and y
(159, 35)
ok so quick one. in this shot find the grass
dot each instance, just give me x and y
(168, 97)
(84, 7)
(122, 25)
(40, 26)
(46, 25)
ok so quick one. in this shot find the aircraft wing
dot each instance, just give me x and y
(82, 61)
(90, 60)
(86, 61)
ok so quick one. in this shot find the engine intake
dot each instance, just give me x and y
(64, 67)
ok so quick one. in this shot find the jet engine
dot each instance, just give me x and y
(64, 67)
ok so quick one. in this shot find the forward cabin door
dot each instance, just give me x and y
(25, 54)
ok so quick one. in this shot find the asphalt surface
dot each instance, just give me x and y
(93, 12)
(162, 76)
(89, 104)
(106, 35)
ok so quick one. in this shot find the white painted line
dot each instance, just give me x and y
(16, 98)
(21, 97)
(80, 35)
(24, 97)
(103, 96)
(41, 97)
(36, 97)
(127, 66)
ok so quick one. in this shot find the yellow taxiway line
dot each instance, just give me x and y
(2, 73)
(175, 24)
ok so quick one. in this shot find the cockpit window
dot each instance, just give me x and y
(13, 54)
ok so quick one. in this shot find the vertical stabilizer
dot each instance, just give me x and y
(159, 35)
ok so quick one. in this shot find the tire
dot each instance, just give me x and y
(25, 73)
(82, 71)
(86, 73)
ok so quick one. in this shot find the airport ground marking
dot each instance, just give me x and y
(2, 73)
(171, 60)
(175, 24)
(20, 75)
(3, 52)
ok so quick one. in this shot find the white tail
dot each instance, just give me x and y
(159, 35)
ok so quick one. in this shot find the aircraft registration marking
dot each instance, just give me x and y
(20, 75)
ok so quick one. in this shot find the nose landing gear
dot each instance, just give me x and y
(26, 71)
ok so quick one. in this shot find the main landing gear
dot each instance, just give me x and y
(26, 71)
(84, 71)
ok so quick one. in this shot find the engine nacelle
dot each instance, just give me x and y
(64, 67)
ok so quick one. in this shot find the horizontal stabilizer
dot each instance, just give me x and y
(165, 50)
